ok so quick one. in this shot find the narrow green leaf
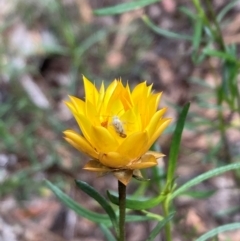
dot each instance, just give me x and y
(197, 33)
(124, 7)
(219, 54)
(138, 205)
(21, 177)
(138, 218)
(188, 12)
(89, 42)
(226, 9)
(164, 32)
(174, 149)
(203, 177)
(159, 227)
(199, 194)
(227, 212)
(81, 211)
(107, 233)
(200, 82)
(100, 199)
(197, 38)
(220, 229)
(153, 215)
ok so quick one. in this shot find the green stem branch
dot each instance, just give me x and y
(168, 231)
(122, 210)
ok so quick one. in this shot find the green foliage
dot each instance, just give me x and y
(175, 146)
(139, 205)
(159, 227)
(124, 7)
(80, 42)
(100, 199)
(164, 32)
(83, 212)
(204, 176)
(214, 232)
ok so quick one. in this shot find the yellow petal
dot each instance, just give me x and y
(91, 114)
(100, 97)
(91, 92)
(116, 96)
(145, 161)
(141, 91)
(132, 121)
(156, 118)
(85, 126)
(162, 125)
(157, 155)
(70, 106)
(153, 101)
(80, 143)
(133, 145)
(117, 108)
(96, 166)
(78, 104)
(102, 139)
(127, 98)
(113, 160)
(109, 91)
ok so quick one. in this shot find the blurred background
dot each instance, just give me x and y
(45, 48)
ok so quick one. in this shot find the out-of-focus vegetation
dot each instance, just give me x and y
(188, 49)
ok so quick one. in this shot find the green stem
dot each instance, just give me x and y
(218, 33)
(122, 210)
(167, 227)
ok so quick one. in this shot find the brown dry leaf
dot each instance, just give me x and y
(194, 220)
(115, 57)
(85, 10)
(35, 209)
(231, 33)
(233, 236)
(169, 6)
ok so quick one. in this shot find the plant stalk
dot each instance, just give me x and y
(167, 227)
(122, 210)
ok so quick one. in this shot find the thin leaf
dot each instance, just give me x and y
(159, 227)
(89, 42)
(203, 177)
(174, 149)
(138, 218)
(164, 32)
(227, 212)
(218, 230)
(21, 177)
(124, 7)
(153, 215)
(197, 38)
(188, 12)
(226, 9)
(199, 194)
(138, 205)
(100, 199)
(107, 233)
(219, 54)
(200, 82)
(197, 33)
(81, 211)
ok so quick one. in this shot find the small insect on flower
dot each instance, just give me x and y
(118, 126)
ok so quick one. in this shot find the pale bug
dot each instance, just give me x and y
(116, 123)
(118, 126)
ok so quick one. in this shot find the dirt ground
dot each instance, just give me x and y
(126, 50)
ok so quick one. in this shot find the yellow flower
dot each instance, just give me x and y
(118, 127)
